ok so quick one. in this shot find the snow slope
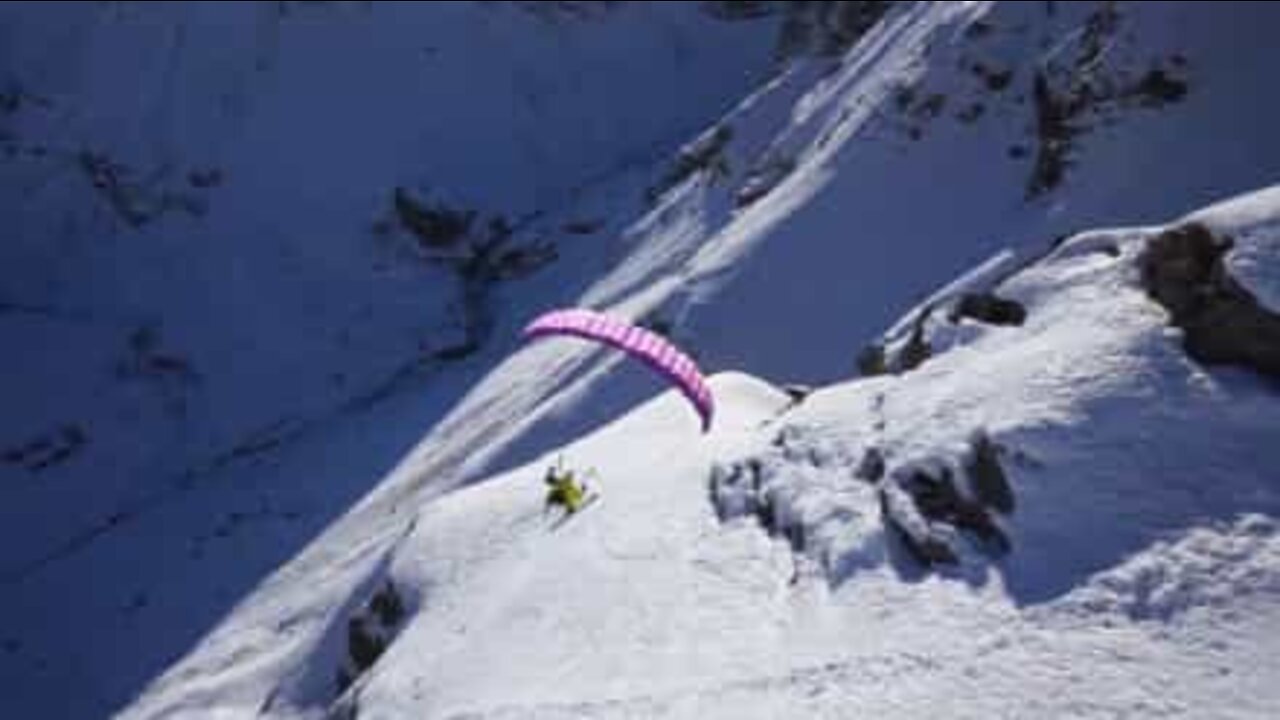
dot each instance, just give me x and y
(1143, 577)
(221, 289)
(911, 167)
(203, 266)
(778, 242)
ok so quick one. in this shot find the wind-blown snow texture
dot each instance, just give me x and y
(247, 397)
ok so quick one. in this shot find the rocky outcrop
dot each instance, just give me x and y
(827, 28)
(1222, 322)
(369, 632)
(989, 308)
(706, 153)
(929, 504)
(987, 477)
(926, 508)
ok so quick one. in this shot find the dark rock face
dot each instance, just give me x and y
(706, 153)
(921, 507)
(1055, 134)
(1086, 83)
(1158, 88)
(370, 632)
(986, 476)
(875, 360)
(925, 544)
(798, 393)
(826, 28)
(1183, 270)
(735, 10)
(871, 361)
(433, 226)
(917, 349)
(925, 507)
(934, 507)
(872, 466)
(990, 309)
(938, 500)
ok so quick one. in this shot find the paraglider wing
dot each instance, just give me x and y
(647, 346)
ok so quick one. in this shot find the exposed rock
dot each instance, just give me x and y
(939, 500)
(739, 9)
(827, 28)
(1054, 134)
(146, 359)
(1157, 87)
(798, 393)
(875, 359)
(904, 520)
(741, 489)
(370, 632)
(135, 201)
(871, 361)
(706, 153)
(734, 489)
(763, 179)
(872, 466)
(52, 448)
(387, 605)
(1074, 91)
(363, 645)
(987, 477)
(989, 308)
(928, 108)
(438, 226)
(480, 254)
(850, 20)
(924, 508)
(657, 324)
(1222, 323)
(916, 351)
(994, 79)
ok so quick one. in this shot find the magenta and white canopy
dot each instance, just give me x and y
(647, 346)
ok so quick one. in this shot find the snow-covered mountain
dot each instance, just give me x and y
(209, 259)
(1064, 518)
(275, 450)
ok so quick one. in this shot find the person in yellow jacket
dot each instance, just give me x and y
(564, 490)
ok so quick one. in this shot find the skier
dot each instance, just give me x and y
(564, 490)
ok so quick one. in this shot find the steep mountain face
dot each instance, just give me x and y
(272, 259)
(233, 226)
(953, 133)
(1065, 516)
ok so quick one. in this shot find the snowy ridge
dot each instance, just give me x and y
(1039, 501)
(663, 604)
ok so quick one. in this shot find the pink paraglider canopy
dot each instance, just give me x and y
(638, 342)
